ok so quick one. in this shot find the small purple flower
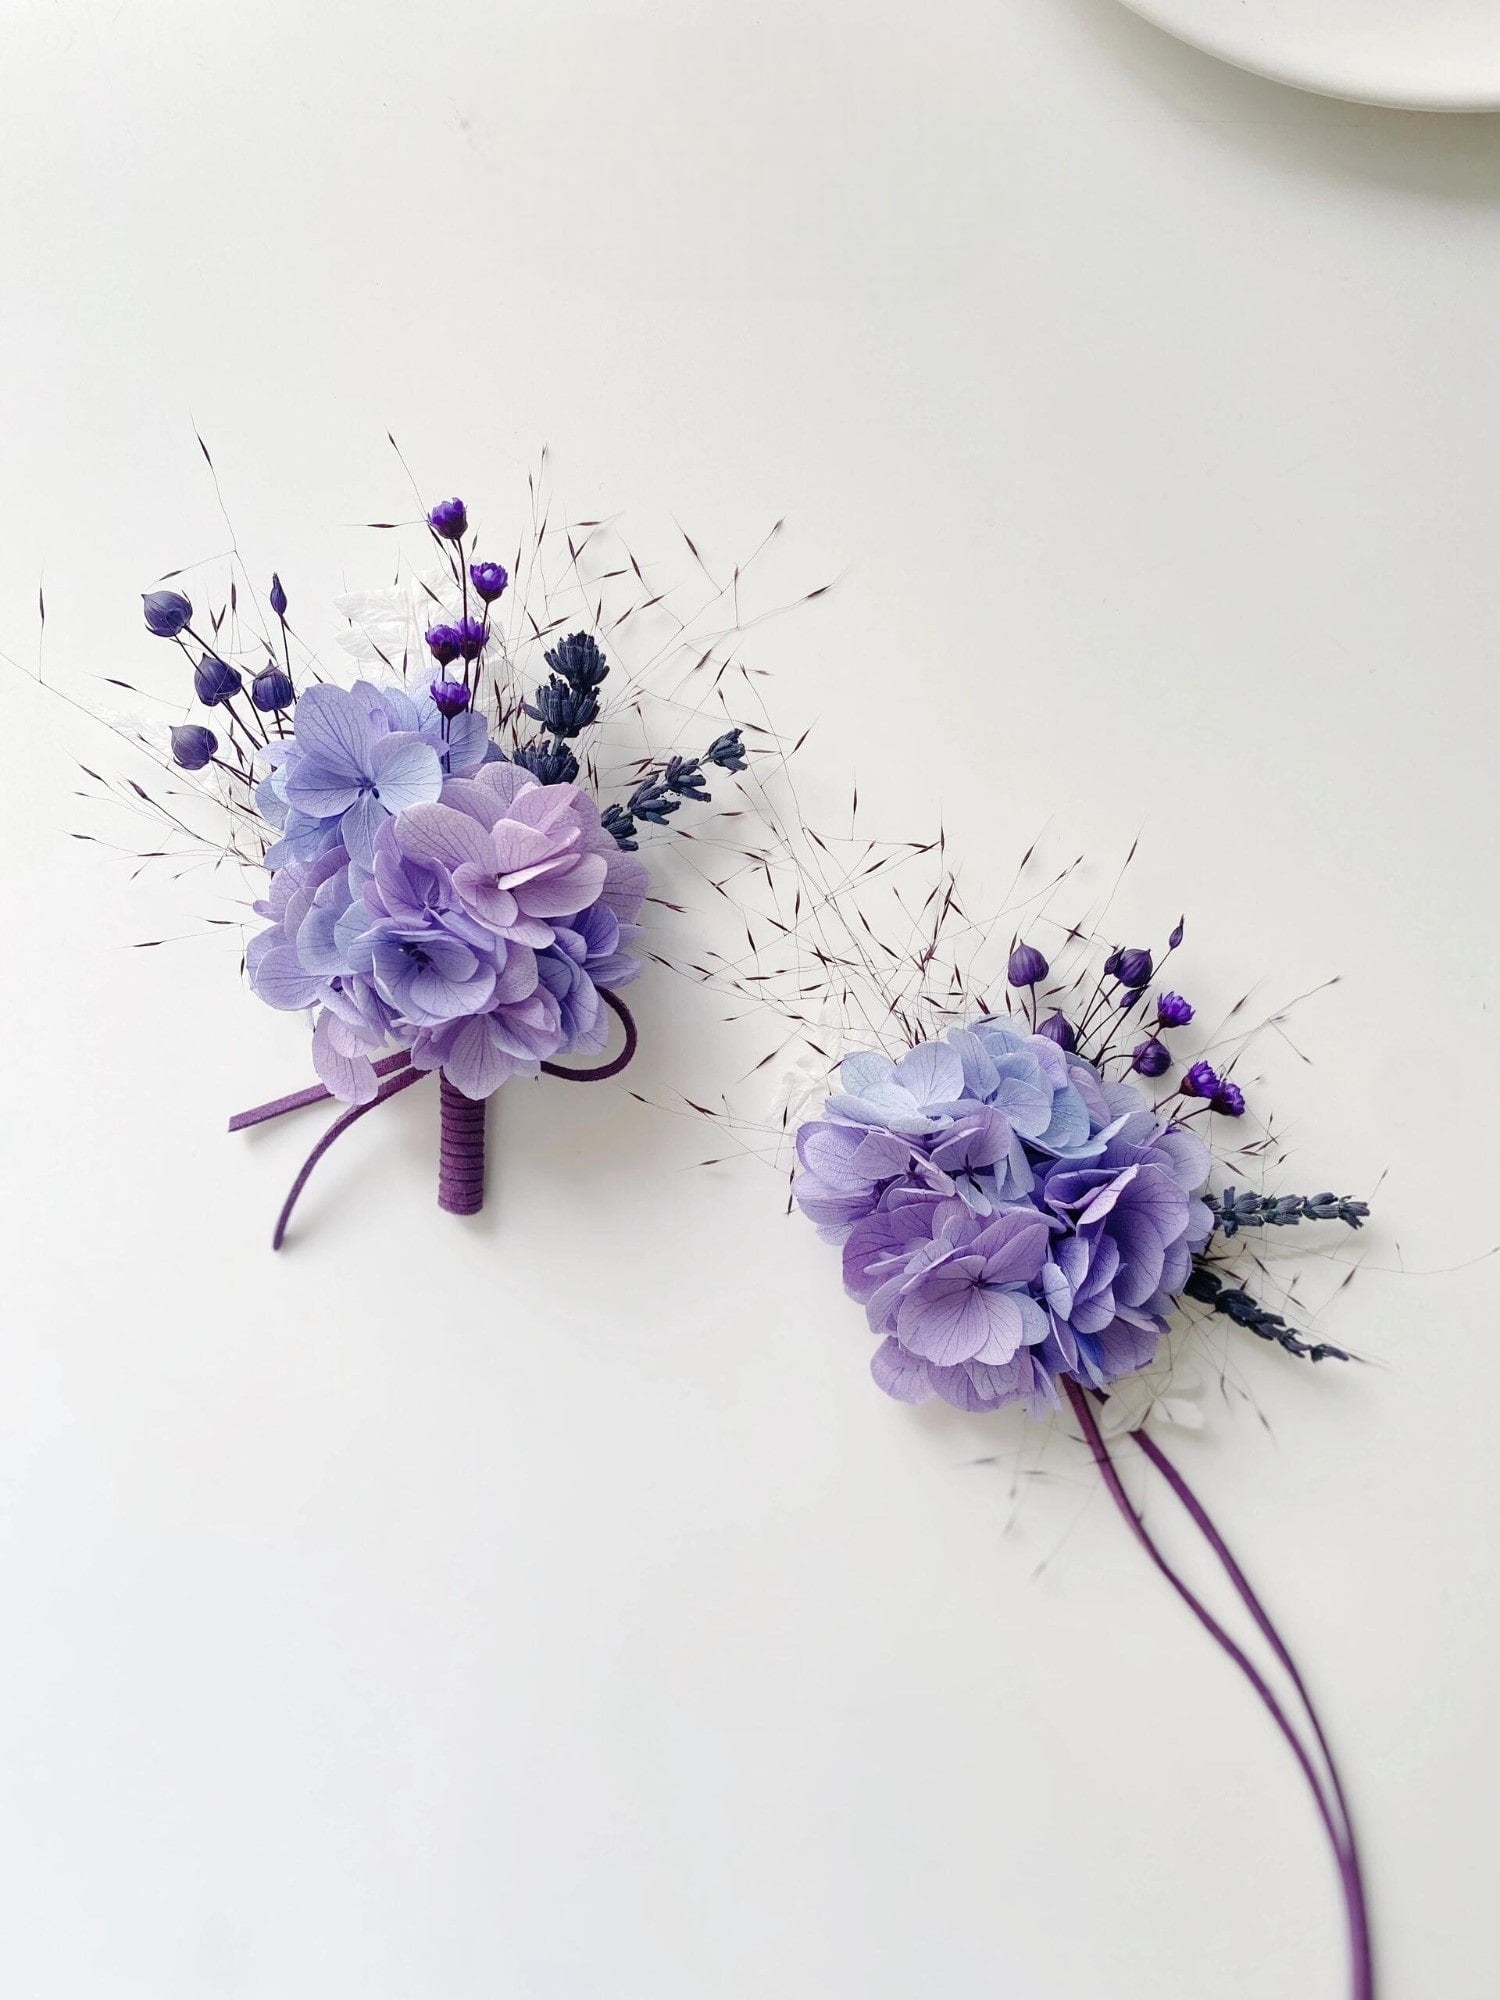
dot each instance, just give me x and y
(1132, 966)
(450, 698)
(1172, 1011)
(167, 612)
(278, 596)
(272, 689)
(471, 635)
(1151, 1058)
(1058, 1028)
(1027, 966)
(450, 519)
(489, 579)
(1202, 1080)
(1228, 1099)
(1179, 931)
(193, 746)
(444, 643)
(215, 681)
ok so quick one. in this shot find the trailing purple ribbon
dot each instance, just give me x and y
(461, 1154)
(1331, 1802)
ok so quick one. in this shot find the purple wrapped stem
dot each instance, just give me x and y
(461, 1142)
(460, 1151)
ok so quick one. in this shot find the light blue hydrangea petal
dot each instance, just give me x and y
(932, 1073)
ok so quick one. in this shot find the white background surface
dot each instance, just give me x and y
(550, 1607)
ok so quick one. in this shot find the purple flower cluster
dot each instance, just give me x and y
(1008, 1216)
(472, 915)
(430, 887)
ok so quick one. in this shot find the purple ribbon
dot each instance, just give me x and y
(462, 1121)
(1331, 1802)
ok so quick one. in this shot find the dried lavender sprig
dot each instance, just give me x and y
(579, 661)
(549, 763)
(563, 708)
(1209, 1289)
(662, 790)
(1235, 1210)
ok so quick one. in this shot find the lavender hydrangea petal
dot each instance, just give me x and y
(358, 827)
(440, 832)
(333, 727)
(280, 979)
(319, 789)
(932, 1074)
(346, 1071)
(406, 772)
(471, 1055)
(902, 1375)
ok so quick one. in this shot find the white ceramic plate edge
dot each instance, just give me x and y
(1416, 94)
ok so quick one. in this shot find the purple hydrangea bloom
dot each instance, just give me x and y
(1008, 1216)
(346, 768)
(480, 933)
(377, 748)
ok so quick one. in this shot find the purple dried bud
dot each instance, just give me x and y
(278, 596)
(1132, 966)
(1229, 1099)
(1112, 963)
(1058, 1028)
(1172, 1011)
(167, 612)
(193, 745)
(450, 519)
(472, 635)
(444, 643)
(1027, 967)
(450, 697)
(1202, 1080)
(1178, 933)
(1130, 998)
(489, 579)
(1152, 1058)
(272, 689)
(215, 681)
